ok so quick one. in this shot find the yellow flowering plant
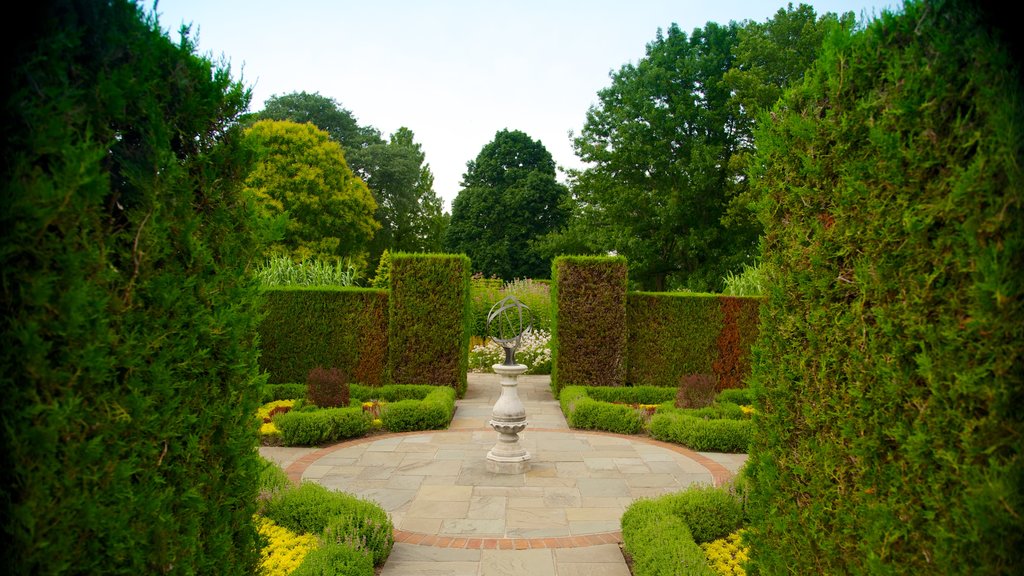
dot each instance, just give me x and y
(726, 556)
(284, 549)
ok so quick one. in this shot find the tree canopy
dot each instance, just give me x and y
(668, 143)
(510, 198)
(300, 172)
(395, 170)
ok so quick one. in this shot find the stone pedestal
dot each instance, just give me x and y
(509, 419)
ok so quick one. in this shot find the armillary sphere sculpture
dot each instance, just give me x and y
(507, 322)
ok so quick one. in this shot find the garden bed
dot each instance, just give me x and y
(724, 426)
(287, 419)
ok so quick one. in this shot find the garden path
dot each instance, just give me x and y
(454, 517)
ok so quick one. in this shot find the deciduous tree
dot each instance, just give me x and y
(301, 172)
(510, 198)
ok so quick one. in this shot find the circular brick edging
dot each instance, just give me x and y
(720, 474)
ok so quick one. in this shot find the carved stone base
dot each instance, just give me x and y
(509, 419)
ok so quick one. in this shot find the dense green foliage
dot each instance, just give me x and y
(336, 516)
(391, 392)
(324, 113)
(408, 209)
(433, 412)
(281, 271)
(702, 433)
(510, 198)
(588, 296)
(331, 559)
(674, 335)
(429, 321)
(485, 292)
(888, 371)
(662, 535)
(300, 174)
(659, 543)
(272, 392)
(585, 413)
(127, 349)
(344, 328)
(316, 427)
(668, 141)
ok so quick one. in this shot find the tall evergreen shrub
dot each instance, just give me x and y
(345, 328)
(888, 368)
(430, 320)
(127, 350)
(588, 297)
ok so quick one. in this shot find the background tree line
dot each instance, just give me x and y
(667, 148)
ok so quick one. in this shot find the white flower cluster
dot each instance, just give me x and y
(534, 351)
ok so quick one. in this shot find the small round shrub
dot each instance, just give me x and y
(327, 388)
(696, 391)
(335, 559)
(366, 528)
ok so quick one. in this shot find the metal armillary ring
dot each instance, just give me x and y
(510, 327)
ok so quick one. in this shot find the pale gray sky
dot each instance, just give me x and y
(453, 71)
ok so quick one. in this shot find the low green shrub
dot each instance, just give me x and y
(272, 478)
(660, 543)
(663, 535)
(710, 513)
(434, 412)
(333, 559)
(632, 394)
(365, 527)
(717, 411)
(272, 392)
(340, 517)
(585, 413)
(301, 428)
(743, 396)
(391, 392)
(720, 435)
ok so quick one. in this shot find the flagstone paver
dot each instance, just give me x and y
(453, 516)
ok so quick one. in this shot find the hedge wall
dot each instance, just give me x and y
(588, 296)
(128, 362)
(889, 368)
(674, 335)
(344, 328)
(430, 320)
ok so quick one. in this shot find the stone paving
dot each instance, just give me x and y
(452, 516)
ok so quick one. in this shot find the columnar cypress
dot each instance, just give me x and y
(128, 354)
(888, 368)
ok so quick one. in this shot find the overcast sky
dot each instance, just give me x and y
(453, 71)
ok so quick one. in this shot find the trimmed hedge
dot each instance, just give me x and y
(322, 426)
(583, 412)
(408, 408)
(673, 335)
(344, 328)
(889, 370)
(273, 392)
(588, 325)
(128, 359)
(702, 434)
(430, 320)
(433, 412)
(336, 517)
(663, 535)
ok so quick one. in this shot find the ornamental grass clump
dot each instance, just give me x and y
(327, 388)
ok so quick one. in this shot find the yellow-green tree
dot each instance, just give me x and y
(300, 173)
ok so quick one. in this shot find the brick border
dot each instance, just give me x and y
(720, 475)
